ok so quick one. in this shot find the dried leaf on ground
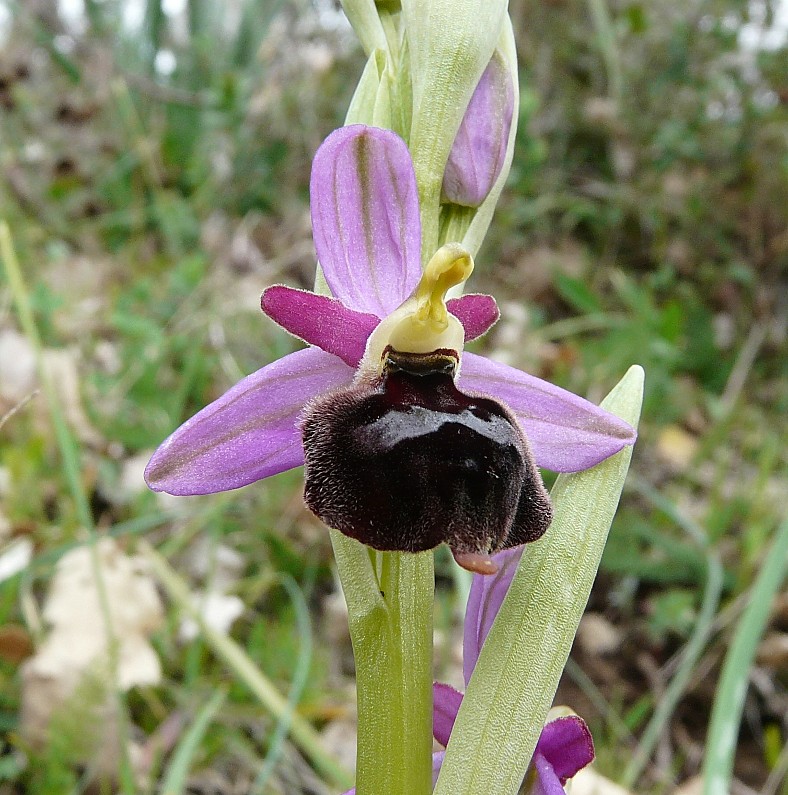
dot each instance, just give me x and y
(67, 686)
(17, 368)
(589, 782)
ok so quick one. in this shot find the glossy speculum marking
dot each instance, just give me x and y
(407, 461)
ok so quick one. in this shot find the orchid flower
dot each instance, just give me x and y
(565, 745)
(386, 316)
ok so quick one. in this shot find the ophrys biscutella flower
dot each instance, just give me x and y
(427, 444)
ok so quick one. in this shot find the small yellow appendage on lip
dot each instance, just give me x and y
(423, 324)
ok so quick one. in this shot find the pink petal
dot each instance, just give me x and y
(484, 601)
(330, 325)
(567, 745)
(320, 320)
(445, 705)
(477, 313)
(250, 432)
(567, 433)
(365, 218)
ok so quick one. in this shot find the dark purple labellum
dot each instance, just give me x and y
(409, 462)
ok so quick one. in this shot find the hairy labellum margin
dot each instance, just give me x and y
(405, 461)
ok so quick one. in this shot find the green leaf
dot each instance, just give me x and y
(577, 293)
(515, 680)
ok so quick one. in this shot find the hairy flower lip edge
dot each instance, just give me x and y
(369, 450)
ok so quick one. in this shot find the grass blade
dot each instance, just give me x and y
(300, 678)
(238, 661)
(692, 651)
(175, 781)
(732, 689)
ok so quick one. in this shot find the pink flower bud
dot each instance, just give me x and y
(479, 150)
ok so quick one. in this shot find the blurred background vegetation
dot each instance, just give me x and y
(154, 164)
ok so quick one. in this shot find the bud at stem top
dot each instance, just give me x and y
(479, 150)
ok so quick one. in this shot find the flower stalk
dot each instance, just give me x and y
(389, 597)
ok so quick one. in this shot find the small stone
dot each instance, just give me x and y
(676, 447)
(773, 651)
(597, 636)
(588, 782)
(17, 367)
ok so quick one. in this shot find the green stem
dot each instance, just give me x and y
(389, 597)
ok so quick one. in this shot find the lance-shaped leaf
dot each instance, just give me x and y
(518, 669)
(565, 744)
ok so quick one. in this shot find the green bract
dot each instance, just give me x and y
(449, 49)
(515, 679)
(363, 16)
